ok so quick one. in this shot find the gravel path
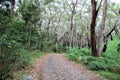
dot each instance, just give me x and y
(56, 67)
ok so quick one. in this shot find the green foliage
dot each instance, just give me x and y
(109, 61)
(76, 53)
(87, 59)
(109, 75)
(14, 34)
(98, 65)
(30, 12)
(48, 1)
(33, 39)
(13, 61)
(21, 31)
(16, 61)
(12, 37)
(34, 55)
(58, 48)
(118, 48)
(46, 42)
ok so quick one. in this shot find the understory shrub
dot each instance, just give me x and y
(76, 53)
(108, 61)
(87, 59)
(109, 75)
(13, 61)
(96, 65)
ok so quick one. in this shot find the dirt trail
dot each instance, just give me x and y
(56, 67)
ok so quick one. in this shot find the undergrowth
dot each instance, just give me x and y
(109, 62)
(34, 55)
(14, 65)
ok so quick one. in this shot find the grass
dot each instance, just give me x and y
(34, 55)
(112, 50)
(107, 65)
(112, 46)
(109, 75)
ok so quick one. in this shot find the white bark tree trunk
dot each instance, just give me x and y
(102, 27)
(72, 28)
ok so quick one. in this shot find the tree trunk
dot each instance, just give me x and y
(29, 40)
(12, 7)
(71, 30)
(109, 33)
(102, 27)
(72, 25)
(92, 29)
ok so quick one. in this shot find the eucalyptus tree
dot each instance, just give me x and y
(84, 18)
(102, 27)
(93, 26)
(72, 28)
(55, 20)
(112, 22)
(103, 32)
(109, 33)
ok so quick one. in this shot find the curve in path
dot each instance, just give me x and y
(56, 67)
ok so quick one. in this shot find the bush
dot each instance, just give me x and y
(96, 65)
(87, 59)
(77, 54)
(109, 75)
(85, 51)
(73, 54)
(118, 48)
(13, 61)
(109, 61)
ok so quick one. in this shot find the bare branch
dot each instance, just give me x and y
(98, 7)
(69, 5)
(114, 26)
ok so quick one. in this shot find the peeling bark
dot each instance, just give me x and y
(72, 28)
(102, 27)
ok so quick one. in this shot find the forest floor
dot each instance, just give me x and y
(57, 67)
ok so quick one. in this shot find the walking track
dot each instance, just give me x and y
(56, 67)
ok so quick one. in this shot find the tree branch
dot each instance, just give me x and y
(112, 28)
(69, 5)
(98, 7)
